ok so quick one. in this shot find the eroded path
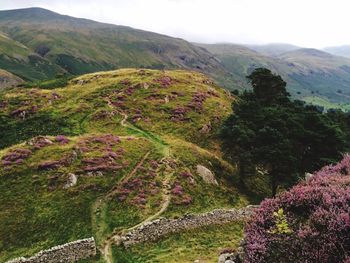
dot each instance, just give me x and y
(115, 238)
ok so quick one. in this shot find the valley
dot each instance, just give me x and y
(38, 45)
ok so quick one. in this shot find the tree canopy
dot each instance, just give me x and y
(281, 137)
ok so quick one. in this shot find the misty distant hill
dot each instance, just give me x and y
(339, 51)
(273, 49)
(310, 73)
(44, 44)
(38, 44)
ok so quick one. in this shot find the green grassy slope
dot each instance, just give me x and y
(81, 46)
(308, 72)
(7, 79)
(129, 136)
(21, 61)
(273, 49)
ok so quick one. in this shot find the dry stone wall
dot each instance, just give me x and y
(69, 252)
(154, 230)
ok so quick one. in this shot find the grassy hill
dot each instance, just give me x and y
(7, 79)
(343, 51)
(21, 61)
(130, 138)
(308, 72)
(273, 49)
(37, 44)
(80, 46)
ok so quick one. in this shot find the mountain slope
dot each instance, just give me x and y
(7, 79)
(107, 152)
(308, 72)
(80, 45)
(20, 60)
(273, 49)
(343, 51)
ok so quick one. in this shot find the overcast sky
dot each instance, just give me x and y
(307, 23)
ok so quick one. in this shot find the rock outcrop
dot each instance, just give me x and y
(206, 175)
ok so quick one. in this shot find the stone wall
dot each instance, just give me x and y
(154, 230)
(69, 252)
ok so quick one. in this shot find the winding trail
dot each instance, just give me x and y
(115, 236)
(127, 177)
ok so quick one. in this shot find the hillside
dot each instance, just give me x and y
(273, 49)
(37, 44)
(80, 46)
(75, 158)
(309, 72)
(343, 51)
(7, 79)
(21, 61)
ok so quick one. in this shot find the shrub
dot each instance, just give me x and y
(61, 139)
(309, 223)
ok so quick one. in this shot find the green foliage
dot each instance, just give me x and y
(203, 244)
(79, 46)
(267, 87)
(16, 131)
(282, 226)
(135, 106)
(281, 138)
(58, 82)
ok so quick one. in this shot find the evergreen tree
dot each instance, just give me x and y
(284, 138)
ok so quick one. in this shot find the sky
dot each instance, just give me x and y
(306, 23)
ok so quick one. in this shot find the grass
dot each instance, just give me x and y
(203, 244)
(78, 108)
(326, 104)
(80, 47)
(40, 213)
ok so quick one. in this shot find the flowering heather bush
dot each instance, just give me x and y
(55, 96)
(136, 117)
(196, 104)
(107, 140)
(177, 190)
(125, 82)
(164, 81)
(110, 159)
(48, 165)
(3, 104)
(16, 156)
(197, 101)
(316, 220)
(61, 139)
(179, 196)
(155, 96)
(139, 190)
(186, 174)
(129, 91)
(39, 142)
(105, 163)
(343, 167)
(101, 115)
(154, 164)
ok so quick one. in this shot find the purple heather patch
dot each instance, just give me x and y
(16, 156)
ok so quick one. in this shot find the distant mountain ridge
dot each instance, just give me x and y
(77, 46)
(38, 44)
(309, 72)
(343, 51)
(273, 49)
